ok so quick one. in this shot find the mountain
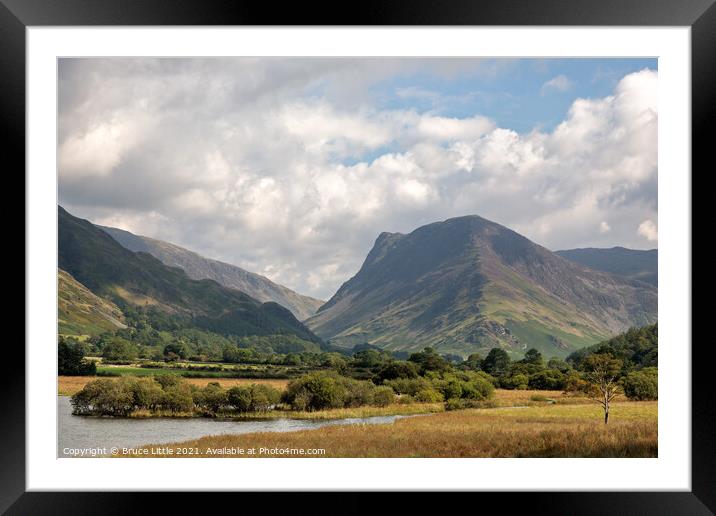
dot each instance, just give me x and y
(467, 284)
(80, 312)
(101, 264)
(630, 263)
(198, 267)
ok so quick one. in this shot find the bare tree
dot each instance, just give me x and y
(602, 374)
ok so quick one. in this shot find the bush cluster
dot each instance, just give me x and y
(642, 385)
(436, 387)
(327, 389)
(168, 393)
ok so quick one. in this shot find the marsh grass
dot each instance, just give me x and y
(538, 431)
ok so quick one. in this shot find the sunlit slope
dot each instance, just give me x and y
(80, 312)
(199, 267)
(109, 270)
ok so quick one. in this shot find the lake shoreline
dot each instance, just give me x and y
(327, 415)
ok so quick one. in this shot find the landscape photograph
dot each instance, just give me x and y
(357, 257)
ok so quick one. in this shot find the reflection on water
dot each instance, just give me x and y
(79, 432)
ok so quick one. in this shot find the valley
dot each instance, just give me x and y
(463, 320)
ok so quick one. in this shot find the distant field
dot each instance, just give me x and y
(68, 385)
(204, 370)
(554, 430)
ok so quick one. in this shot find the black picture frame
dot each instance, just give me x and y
(17, 15)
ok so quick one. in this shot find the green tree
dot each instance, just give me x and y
(559, 365)
(119, 349)
(398, 369)
(642, 385)
(71, 360)
(497, 362)
(547, 380)
(473, 362)
(428, 360)
(532, 356)
(177, 348)
(517, 381)
(370, 358)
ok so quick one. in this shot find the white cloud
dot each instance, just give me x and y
(251, 162)
(648, 230)
(558, 83)
(441, 128)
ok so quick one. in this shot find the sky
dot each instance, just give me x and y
(291, 167)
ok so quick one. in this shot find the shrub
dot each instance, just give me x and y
(239, 398)
(211, 398)
(398, 369)
(452, 388)
(146, 393)
(429, 396)
(301, 400)
(263, 397)
(178, 399)
(486, 376)
(405, 399)
(454, 404)
(575, 384)
(409, 386)
(642, 385)
(316, 391)
(518, 381)
(383, 396)
(104, 397)
(167, 380)
(549, 379)
(479, 388)
(358, 393)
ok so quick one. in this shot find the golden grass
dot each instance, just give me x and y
(556, 430)
(351, 412)
(68, 385)
(505, 398)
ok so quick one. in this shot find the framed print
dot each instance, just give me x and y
(430, 251)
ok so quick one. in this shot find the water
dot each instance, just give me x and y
(79, 432)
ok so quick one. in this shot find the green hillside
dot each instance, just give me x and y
(467, 284)
(110, 271)
(231, 276)
(630, 263)
(80, 312)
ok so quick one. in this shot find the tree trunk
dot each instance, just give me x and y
(606, 416)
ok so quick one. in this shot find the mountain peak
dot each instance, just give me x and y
(467, 284)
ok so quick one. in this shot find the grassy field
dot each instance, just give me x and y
(548, 430)
(201, 369)
(68, 385)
